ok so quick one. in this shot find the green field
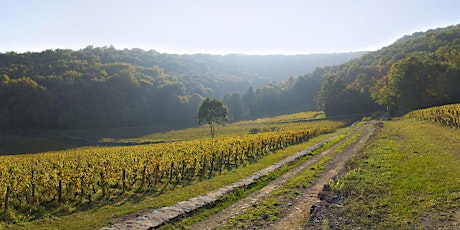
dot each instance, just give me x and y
(408, 177)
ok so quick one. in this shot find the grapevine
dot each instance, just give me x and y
(95, 174)
(447, 115)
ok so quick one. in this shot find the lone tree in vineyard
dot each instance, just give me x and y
(213, 112)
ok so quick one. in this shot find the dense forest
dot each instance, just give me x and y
(103, 86)
(417, 71)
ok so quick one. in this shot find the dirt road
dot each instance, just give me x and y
(294, 217)
(298, 213)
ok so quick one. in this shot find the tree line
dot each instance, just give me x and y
(103, 86)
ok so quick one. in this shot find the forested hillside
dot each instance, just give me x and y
(417, 71)
(101, 87)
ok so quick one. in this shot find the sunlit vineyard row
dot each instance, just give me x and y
(94, 174)
(447, 115)
(285, 118)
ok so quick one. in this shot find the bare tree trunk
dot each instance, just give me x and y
(213, 129)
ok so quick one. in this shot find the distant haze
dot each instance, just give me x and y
(219, 27)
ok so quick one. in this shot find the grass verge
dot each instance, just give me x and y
(406, 178)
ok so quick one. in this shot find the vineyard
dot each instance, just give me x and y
(95, 175)
(447, 115)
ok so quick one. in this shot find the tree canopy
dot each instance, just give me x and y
(213, 112)
(417, 71)
(103, 86)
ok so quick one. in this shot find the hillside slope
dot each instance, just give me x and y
(100, 87)
(417, 71)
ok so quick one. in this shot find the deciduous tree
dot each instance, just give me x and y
(213, 112)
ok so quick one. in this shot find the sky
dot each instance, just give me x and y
(219, 26)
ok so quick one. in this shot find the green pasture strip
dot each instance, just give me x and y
(103, 215)
(286, 118)
(408, 177)
(273, 208)
(238, 128)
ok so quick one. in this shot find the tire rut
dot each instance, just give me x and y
(298, 214)
(296, 211)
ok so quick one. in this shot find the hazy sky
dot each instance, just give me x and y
(219, 26)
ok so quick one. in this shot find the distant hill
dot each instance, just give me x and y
(103, 86)
(272, 68)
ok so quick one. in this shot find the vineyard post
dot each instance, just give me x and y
(91, 190)
(8, 190)
(182, 170)
(222, 161)
(177, 173)
(155, 174)
(171, 172)
(33, 188)
(60, 191)
(123, 178)
(193, 169)
(228, 158)
(212, 164)
(102, 184)
(143, 176)
(82, 189)
(33, 193)
(203, 166)
(236, 157)
(262, 147)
